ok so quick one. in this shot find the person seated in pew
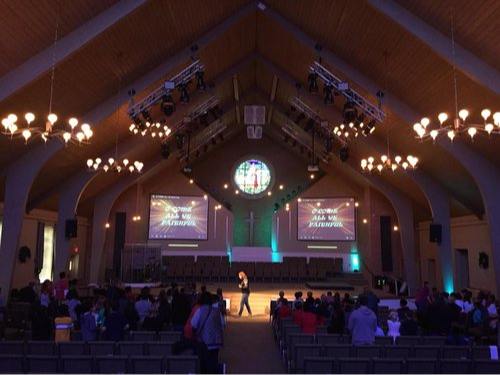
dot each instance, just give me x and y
(297, 313)
(409, 327)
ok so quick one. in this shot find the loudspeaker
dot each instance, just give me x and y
(435, 232)
(71, 230)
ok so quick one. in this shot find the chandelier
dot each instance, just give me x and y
(457, 126)
(115, 164)
(369, 164)
(386, 163)
(454, 127)
(71, 133)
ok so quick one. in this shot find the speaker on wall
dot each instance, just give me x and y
(71, 229)
(435, 232)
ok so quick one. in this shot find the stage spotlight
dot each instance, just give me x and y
(147, 116)
(200, 81)
(328, 91)
(184, 93)
(167, 105)
(313, 82)
(370, 128)
(328, 145)
(344, 153)
(214, 141)
(204, 119)
(165, 151)
(179, 141)
(285, 138)
(197, 153)
(350, 112)
(294, 143)
(205, 148)
(276, 206)
(221, 137)
(139, 123)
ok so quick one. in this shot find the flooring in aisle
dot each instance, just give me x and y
(249, 347)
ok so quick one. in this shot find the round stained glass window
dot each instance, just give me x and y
(252, 177)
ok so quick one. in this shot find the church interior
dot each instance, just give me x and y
(168, 150)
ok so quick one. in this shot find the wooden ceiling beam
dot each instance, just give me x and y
(130, 143)
(39, 64)
(469, 64)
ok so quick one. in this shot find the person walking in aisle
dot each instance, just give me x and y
(245, 294)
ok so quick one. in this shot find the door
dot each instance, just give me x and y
(462, 268)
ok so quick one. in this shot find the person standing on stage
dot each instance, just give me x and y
(245, 293)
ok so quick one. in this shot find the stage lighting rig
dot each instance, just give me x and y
(179, 81)
(348, 93)
(307, 111)
(162, 131)
(204, 139)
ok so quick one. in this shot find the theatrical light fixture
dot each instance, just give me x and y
(163, 94)
(165, 151)
(200, 81)
(167, 104)
(328, 91)
(313, 82)
(160, 130)
(344, 153)
(184, 93)
(328, 78)
(72, 132)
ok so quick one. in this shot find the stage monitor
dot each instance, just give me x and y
(174, 217)
(326, 219)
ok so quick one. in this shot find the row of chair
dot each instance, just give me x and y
(213, 268)
(324, 365)
(18, 364)
(137, 336)
(299, 351)
(93, 348)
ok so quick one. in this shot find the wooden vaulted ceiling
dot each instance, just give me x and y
(360, 35)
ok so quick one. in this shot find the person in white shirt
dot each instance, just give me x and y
(208, 324)
(143, 307)
(394, 324)
(492, 312)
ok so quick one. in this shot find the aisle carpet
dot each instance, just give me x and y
(249, 347)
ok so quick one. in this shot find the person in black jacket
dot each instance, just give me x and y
(245, 294)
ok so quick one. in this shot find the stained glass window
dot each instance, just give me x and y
(252, 177)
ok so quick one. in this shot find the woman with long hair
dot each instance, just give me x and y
(245, 293)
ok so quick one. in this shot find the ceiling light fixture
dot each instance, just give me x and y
(73, 132)
(454, 127)
(369, 165)
(114, 164)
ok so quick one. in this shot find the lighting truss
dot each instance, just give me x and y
(329, 78)
(167, 87)
(211, 132)
(288, 127)
(309, 112)
(162, 131)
